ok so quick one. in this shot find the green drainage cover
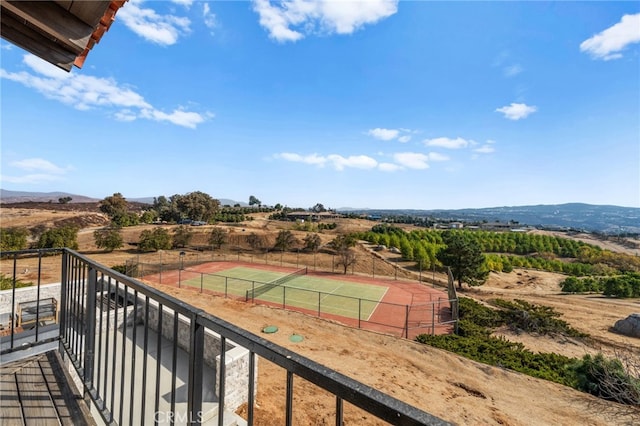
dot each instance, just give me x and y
(295, 338)
(270, 329)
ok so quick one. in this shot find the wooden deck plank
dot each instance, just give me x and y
(36, 402)
(56, 394)
(40, 391)
(10, 412)
(71, 407)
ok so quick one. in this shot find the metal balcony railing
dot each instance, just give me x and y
(144, 357)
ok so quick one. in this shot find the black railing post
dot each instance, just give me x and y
(63, 302)
(196, 370)
(13, 299)
(90, 328)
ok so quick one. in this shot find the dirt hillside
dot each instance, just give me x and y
(453, 388)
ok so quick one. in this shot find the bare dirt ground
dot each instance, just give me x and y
(453, 388)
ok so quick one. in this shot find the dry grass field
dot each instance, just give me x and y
(451, 387)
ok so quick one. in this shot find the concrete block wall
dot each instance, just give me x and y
(236, 357)
(27, 294)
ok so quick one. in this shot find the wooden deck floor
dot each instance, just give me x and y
(36, 391)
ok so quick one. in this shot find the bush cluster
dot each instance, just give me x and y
(626, 285)
(606, 378)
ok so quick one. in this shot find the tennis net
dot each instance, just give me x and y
(260, 290)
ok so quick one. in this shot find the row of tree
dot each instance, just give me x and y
(506, 250)
(626, 285)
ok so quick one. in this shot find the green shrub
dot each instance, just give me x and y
(66, 236)
(13, 239)
(479, 314)
(525, 316)
(6, 283)
(607, 379)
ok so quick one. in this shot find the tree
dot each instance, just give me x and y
(218, 237)
(182, 236)
(114, 205)
(464, 258)
(148, 216)
(277, 207)
(196, 205)
(158, 239)
(312, 242)
(66, 236)
(255, 241)
(13, 239)
(343, 245)
(108, 239)
(64, 200)
(318, 208)
(254, 201)
(284, 240)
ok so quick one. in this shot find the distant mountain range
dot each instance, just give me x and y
(41, 197)
(587, 217)
(7, 197)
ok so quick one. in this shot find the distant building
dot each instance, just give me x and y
(312, 216)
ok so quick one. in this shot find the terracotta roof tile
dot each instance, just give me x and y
(102, 27)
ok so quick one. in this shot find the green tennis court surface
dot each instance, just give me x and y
(344, 298)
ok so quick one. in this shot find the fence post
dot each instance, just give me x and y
(359, 311)
(433, 319)
(90, 327)
(406, 321)
(201, 281)
(373, 269)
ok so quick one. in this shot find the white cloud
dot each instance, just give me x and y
(313, 159)
(291, 20)
(389, 167)
(402, 135)
(337, 161)
(185, 3)
(517, 111)
(5, 46)
(448, 142)
(37, 164)
(33, 178)
(148, 24)
(512, 70)
(401, 161)
(485, 149)
(384, 134)
(44, 171)
(45, 68)
(434, 156)
(608, 44)
(85, 92)
(355, 161)
(208, 16)
(412, 160)
(178, 117)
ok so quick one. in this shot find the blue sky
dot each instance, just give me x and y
(379, 104)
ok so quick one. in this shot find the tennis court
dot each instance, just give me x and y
(401, 308)
(344, 298)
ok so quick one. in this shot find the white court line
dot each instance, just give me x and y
(377, 304)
